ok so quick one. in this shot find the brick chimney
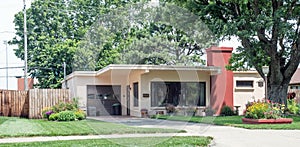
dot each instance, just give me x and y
(221, 84)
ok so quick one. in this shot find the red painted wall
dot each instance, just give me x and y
(221, 84)
(21, 83)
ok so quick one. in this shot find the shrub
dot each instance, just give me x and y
(292, 106)
(64, 111)
(64, 106)
(227, 111)
(66, 116)
(80, 115)
(53, 116)
(46, 112)
(256, 110)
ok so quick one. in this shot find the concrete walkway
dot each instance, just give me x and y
(223, 136)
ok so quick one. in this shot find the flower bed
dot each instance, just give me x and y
(265, 113)
(64, 111)
(267, 121)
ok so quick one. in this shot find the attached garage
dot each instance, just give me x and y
(103, 100)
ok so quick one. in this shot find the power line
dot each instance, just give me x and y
(11, 67)
(7, 32)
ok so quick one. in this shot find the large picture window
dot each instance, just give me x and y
(136, 94)
(178, 94)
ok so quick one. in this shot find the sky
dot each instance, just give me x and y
(8, 8)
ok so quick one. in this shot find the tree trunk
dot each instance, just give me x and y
(278, 93)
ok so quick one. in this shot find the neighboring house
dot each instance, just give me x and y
(248, 86)
(295, 81)
(128, 89)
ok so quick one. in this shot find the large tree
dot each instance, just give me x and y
(139, 34)
(55, 28)
(269, 31)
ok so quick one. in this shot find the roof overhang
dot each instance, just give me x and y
(212, 70)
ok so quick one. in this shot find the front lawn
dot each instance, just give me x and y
(16, 127)
(235, 121)
(149, 141)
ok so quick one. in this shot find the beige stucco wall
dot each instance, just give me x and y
(170, 76)
(244, 95)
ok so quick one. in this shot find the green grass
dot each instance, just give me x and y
(17, 127)
(235, 121)
(142, 142)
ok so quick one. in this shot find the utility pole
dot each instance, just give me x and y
(65, 75)
(5, 42)
(25, 49)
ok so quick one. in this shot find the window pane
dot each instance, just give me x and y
(244, 83)
(136, 94)
(176, 93)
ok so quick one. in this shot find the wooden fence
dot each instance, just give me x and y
(14, 103)
(30, 103)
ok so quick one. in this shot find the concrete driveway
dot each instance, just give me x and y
(224, 136)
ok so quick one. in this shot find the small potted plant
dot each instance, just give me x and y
(170, 108)
(209, 111)
(191, 111)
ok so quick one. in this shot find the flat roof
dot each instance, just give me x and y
(158, 67)
(212, 69)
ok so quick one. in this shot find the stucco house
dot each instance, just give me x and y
(128, 89)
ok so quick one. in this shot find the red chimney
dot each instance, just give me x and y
(21, 85)
(221, 84)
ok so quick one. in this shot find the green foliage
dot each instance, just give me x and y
(269, 32)
(144, 35)
(66, 116)
(45, 112)
(80, 115)
(55, 28)
(64, 111)
(54, 116)
(293, 107)
(227, 111)
(64, 106)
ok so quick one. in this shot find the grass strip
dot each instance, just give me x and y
(21, 127)
(116, 142)
(235, 121)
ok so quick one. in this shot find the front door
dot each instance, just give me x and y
(128, 99)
